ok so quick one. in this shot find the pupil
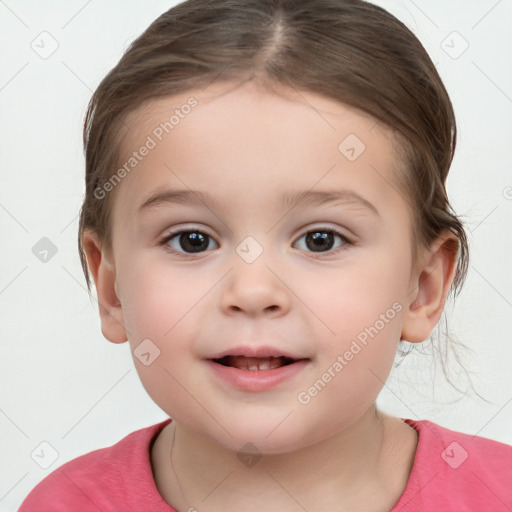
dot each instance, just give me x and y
(193, 242)
(321, 240)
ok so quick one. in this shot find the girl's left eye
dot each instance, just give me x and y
(322, 240)
(191, 241)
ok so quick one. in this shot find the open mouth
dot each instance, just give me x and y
(256, 370)
(254, 363)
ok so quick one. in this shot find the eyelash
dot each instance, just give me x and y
(346, 241)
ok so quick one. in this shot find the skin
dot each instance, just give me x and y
(246, 147)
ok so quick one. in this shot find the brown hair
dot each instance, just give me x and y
(347, 50)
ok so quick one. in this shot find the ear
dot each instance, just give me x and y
(430, 286)
(103, 273)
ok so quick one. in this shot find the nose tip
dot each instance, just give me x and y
(253, 303)
(254, 290)
(266, 309)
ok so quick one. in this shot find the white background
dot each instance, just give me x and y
(63, 383)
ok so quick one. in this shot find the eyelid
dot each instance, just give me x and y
(347, 241)
(345, 233)
(186, 228)
(175, 231)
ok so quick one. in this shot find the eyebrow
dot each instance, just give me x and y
(291, 199)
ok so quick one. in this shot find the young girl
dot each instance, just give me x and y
(265, 220)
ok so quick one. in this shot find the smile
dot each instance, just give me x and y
(255, 370)
(254, 363)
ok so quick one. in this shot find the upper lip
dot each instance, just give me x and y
(255, 352)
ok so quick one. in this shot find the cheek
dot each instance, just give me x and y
(164, 307)
(159, 301)
(354, 365)
(368, 291)
(362, 311)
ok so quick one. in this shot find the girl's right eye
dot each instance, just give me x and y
(188, 242)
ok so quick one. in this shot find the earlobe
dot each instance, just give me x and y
(430, 286)
(103, 273)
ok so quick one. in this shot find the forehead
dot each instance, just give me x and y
(238, 142)
(266, 106)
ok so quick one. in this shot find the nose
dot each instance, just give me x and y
(254, 289)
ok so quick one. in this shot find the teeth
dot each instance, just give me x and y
(255, 363)
(264, 365)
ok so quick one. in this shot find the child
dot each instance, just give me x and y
(265, 220)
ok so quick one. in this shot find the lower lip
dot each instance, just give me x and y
(256, 380)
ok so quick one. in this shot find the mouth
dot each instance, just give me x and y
(256, 370)
(254, 363)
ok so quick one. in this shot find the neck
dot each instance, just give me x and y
(372, 458)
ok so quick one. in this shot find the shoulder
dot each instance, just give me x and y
(460, 449)
(103, 479)
(457, 471)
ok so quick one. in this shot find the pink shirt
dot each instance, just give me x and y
(452, 472)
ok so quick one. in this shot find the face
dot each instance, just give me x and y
(263, 284)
